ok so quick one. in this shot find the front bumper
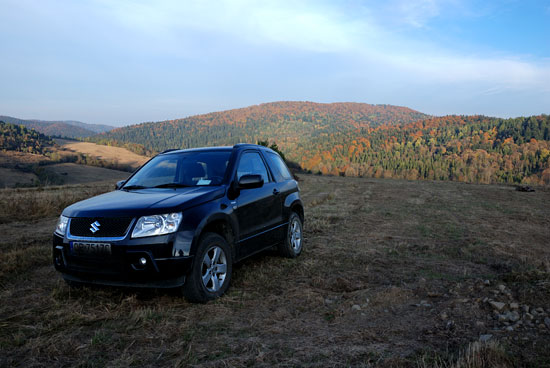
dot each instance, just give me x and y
(123, 267)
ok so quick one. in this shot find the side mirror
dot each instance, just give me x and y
(250, 181)
(119, 184)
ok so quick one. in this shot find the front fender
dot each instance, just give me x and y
(196, 220)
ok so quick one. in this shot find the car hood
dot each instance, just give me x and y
(143, 202)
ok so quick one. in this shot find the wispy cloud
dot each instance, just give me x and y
(246, 51)
(328, 28)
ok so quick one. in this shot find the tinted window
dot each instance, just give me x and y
(188, 168)
(278, 167)
(252, 163)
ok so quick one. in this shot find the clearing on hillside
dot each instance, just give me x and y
(109, 153)
(394, 273)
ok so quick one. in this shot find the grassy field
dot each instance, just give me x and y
(82, 174)
(394, 273)
(18, 169)
(108, 153)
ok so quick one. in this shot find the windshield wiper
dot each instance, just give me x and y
(130, 187)
(171, 185)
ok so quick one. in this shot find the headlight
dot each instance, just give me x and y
(61, 227)
(157, 225)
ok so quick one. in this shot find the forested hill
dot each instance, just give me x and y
(366, 140)
(287, 123)
(463, 148)
(19, 138)
(65, 128)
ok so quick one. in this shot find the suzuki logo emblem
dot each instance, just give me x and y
(95, 227)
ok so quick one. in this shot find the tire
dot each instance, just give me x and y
(294, 240)
(207, 280)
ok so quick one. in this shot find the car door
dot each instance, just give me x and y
(259, 210)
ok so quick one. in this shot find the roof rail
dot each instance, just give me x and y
(243, 145)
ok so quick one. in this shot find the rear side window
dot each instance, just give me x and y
(252, 163)
(278, 167)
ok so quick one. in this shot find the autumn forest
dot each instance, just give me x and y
(348, 139)
(353, 139)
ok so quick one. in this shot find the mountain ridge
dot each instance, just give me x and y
(282, 121)
(60, 128)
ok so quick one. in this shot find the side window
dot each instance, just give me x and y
(278, 167)
(251, 163)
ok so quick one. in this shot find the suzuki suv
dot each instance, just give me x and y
(182, 220)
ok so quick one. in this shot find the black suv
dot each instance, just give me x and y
(182, 220)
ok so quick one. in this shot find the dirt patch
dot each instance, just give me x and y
(394, 273)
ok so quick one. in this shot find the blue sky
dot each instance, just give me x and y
(124, 62)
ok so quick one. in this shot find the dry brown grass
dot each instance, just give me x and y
(109, 153)
(19, 204)
(383, 261)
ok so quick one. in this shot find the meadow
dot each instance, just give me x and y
(394, 273)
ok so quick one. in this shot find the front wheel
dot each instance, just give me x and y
(211, 272)
(293, 244)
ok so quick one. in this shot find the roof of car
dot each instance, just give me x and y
(217, 148)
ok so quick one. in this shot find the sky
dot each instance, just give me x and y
(125, 62)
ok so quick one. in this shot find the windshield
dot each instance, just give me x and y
(204, 168)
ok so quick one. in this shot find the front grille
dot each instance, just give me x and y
(108, 226)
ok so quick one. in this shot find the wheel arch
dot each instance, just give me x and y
(220, 224)
(293, 203)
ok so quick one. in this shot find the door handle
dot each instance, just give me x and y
(276, 191)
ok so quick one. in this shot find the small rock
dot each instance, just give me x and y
(547, 322)
(503, 317)
(525, 308)
(487, 282)
(356, 307)
(513, 316)
(540, 310)
(509, 329)
(485, 338)
(501, 287)
(444, 316)
(497, 305)
(480, 324)
(485, 300)
(529, 316)
(514, 306)
(328, 301)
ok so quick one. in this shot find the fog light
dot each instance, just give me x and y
(142, 261)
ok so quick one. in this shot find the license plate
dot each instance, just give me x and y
(91, 249)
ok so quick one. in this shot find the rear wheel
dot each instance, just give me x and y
(211, 272)
(293, 244)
